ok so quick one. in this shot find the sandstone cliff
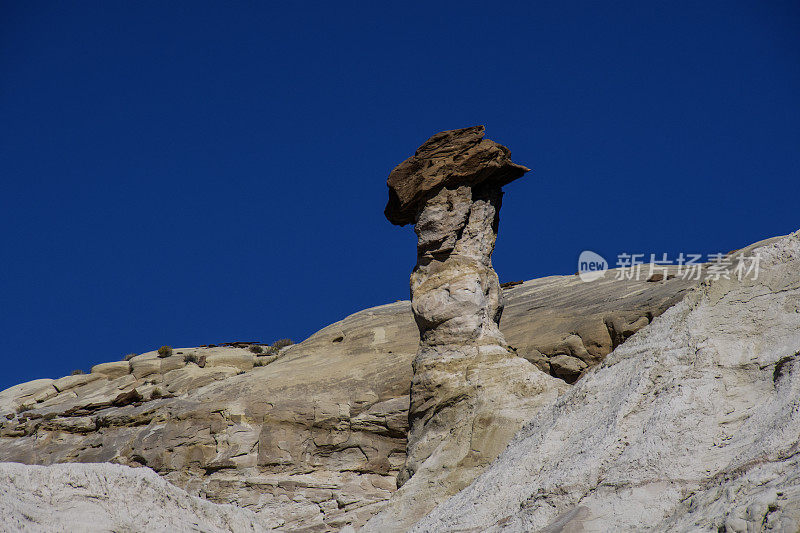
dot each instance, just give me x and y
(319, 433)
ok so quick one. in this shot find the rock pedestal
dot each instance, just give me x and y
(470, 392)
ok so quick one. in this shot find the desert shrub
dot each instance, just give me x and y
(77, 372)
(256, 349)
(282, 343)
(130, 356)
(165, 351)
(190, 358)
(156, 394)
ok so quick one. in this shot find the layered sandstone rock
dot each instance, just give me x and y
(691, 425)
(255, 440)
(470, 392)
(318, 435)
(314, 438)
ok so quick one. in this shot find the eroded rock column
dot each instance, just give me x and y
(470, 393)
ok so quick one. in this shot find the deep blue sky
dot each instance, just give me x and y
(187, 173)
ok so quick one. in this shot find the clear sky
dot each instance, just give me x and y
(187, 173)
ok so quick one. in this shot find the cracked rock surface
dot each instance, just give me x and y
(692, 425)
(105, 497)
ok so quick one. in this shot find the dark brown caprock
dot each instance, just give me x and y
(453, 157)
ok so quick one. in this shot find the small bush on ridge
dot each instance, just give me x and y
(165, 351)
(282, 343)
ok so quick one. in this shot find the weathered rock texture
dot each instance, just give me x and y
(319, 434)
(446, 160)
(105, 497)
(691, 425)
(470, 393)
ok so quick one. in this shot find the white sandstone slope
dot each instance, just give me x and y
(106, 497)
(692, 425)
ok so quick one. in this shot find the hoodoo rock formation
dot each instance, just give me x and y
(470, 392)
(641, 405)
